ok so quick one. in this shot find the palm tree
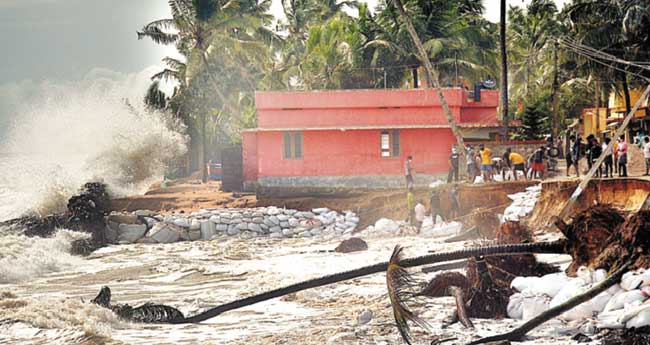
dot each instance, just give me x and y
(503, 95)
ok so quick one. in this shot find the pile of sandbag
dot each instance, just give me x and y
(385, 227)
(624, 305)
(523, 203)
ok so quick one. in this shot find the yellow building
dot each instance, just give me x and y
(606, 120)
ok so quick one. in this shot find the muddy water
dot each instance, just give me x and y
(53, 307)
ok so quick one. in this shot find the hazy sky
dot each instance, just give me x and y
(65, 39)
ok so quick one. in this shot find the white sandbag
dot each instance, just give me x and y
(515, 307)
(642, 319)
(626, 297)
(631, 310)
(442, 230)
(386, 225)
(631, 281)
(588, 309)
(522, 284)
(585, 274)
(478, 180)
(533, 306)
(497, 178)
(436, 183)
(551, 284)
(645, 275)
(609, 319)
(572, 288)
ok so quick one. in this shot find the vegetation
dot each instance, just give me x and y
(231, 48)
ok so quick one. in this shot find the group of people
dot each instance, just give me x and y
(481, 162)
(615, 157)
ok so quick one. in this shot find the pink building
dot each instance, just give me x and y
(358, 138)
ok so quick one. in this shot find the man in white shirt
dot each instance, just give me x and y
(420, 212)
(646, 155)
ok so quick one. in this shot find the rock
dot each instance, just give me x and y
(320, 210)
(110, 233)
(236, 220)
(316, 232)
(287, 232)
(182, 222)
(289, 212)
(282, 217)
(275, 235)
(131, 232)
(195, 235)
(275, 229)
(123, 218)
(146, 240)
(225, 215)
(233, 231)
(354, 220)
(242, 226)
(274, 220)
(352, 244)
(304, 234)
(258, 220)
(284, 225)
(235, 215)
(168, 218)
(150, 222)
(208, 228)
(364, 317)
(195, 224)
(215, 219)
(257, 214)
(269, 223)
(143, 213)
(272, 211)
(165, 233)
(308, 215)
(350, 225)
(255, 227)
(224, 220)
(159, 218)
(222, 227)
(293, 222)
(264, 227)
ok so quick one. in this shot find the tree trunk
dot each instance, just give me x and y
(432, 75)
(503, 94)
(626, 92)
(415, 78)
(202, 162)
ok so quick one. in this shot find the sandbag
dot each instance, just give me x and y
(515, 308)
(533, 306)
(626, 297)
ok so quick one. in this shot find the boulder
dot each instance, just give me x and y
(215, 219)
(284, 225)
(242, 226)
(131, 232)
(255, 228)
(159, 217)
(195, 235)
(293, 222)
(233, 231)
(110, 233)
(287, 232)
(304, 234)
(275, 235)
(221, 227)
(316, 232)
(275, 229)
(258, 220)
(274, 220)
(272, 211)
(320, 210)
(144, 213)
(282, 217)
(182, 222)
(352, 244)
(289, 212)
(208, 228)
(150, 222)
(123, 218)
(195, 224)
(164, 233)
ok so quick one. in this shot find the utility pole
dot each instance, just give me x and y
(504, 70)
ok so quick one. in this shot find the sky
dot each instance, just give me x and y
(66, 39)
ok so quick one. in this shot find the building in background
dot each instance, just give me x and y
(602, 122)
(359, 138)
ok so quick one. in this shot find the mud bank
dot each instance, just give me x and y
(629, 194)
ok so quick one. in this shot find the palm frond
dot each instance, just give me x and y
(402, 290)
(157, 35)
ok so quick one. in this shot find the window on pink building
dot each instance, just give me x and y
(292, 145)
(389, 143)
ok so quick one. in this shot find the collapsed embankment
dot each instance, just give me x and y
(629, 194)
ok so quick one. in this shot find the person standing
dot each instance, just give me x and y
(609, 162)
(646, 155)
(453, 165)
(471, 164)
(622, 157)
(410, 206)
(569, 160)
(615, 153)
(408, 172)
(518, 163)
(596, 151)
(454, 196)
(486, 162)
(576, 154)
(538, 162)
(420, 212)
(590, 145)
(434, 205)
